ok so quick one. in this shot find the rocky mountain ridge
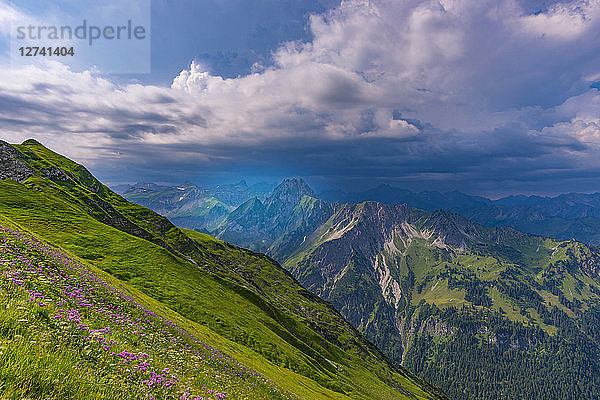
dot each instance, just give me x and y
(407, 278)
(280, 223)
(242, 300)
(566, 216)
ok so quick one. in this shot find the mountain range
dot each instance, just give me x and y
(563, 217)
(225, 310)
(261, 217)
(280, 223)
(566, 216)
(484, 311)
(192, 207)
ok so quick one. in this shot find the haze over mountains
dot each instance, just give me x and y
(566, 216)
(483, 312)
(240, 302)
(190, 206)
(269, 219)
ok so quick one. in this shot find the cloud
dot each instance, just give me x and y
(9, 15)
(88, 114)
(465, 92)
(562, 21)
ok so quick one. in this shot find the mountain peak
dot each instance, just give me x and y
(457, 230)
(297, 186)
(32, 142)
(188, 184)
(253, 202)
(252, 207)
(286, 195)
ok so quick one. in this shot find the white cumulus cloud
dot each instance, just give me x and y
(458, 81)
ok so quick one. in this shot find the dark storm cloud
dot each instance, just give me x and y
(475, 94)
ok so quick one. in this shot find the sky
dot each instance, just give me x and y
(486, 97)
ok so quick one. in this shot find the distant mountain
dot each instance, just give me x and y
(120, 188)
(187, 205)
(278, 225)
(237, 193)
(192, 207)
(563, 217)
(571, 215)
(261, 217)
(485, 313)
(427, 200)
(149, 308)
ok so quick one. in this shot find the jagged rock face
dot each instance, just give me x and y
(354, 266)
(55, 174)
(458, 231)
(280, 223)
(11, 167)
(376, 234)
(280, 205)
(364, 231)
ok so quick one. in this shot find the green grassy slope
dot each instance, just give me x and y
(70, 331)
(240, 296)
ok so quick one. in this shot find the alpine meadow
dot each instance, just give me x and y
(300, 200)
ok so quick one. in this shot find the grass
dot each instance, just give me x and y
(68, 334)
(502, 302)
(439, 294)
(234, 299)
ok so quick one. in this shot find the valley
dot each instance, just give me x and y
(433, 289)
(242, 303)
(481, 312)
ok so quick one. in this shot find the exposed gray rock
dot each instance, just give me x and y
(11, 166)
